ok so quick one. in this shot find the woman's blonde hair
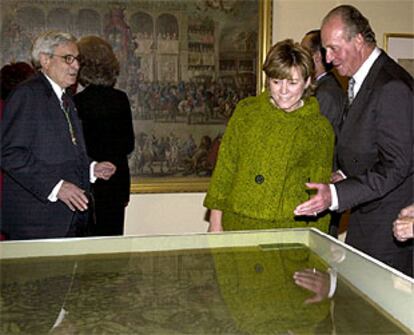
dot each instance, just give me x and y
(285, 55)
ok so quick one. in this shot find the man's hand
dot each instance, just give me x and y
(336, 177)
(403, 228)
(104, 170)
(314, 281)
(73, 197)
(407, 211)
(318, 203)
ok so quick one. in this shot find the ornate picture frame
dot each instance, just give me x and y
(184, 65)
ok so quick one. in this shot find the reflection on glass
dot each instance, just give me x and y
(258, 288)
(243, 290)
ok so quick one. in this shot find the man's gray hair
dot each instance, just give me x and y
(354, 22)
(47, 42)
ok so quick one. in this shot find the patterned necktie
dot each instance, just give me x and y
(351, 84)
(66, 107)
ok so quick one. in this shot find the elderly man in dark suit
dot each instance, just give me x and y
(43, 152)
(375, 143)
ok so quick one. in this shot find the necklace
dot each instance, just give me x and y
(66, 110)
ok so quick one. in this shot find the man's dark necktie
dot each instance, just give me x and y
(67, 108)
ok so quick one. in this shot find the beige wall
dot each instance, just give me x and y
(292, 18)
(165, 213)
(183, 212)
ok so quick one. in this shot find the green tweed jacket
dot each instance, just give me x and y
(265, 158)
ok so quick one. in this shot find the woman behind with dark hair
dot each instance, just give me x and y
(13, 74)
(107, 125)
(274, 143)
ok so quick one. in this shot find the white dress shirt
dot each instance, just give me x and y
(53, 195)
(359, 78)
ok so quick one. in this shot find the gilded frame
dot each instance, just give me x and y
(200, 184)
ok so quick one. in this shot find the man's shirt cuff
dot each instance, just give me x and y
(334, 198)
(53, 195)
(92, 177)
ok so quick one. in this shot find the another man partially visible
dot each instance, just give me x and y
(47, 171)
(403, 226)
(331, 97)
(375, 144)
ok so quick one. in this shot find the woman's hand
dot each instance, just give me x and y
(336, 177)
(215, 221)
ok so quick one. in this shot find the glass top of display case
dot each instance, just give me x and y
(225, 283)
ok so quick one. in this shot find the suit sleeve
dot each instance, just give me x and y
(332, 103)
(20, 140)
(393, 131)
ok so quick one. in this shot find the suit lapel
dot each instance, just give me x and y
(369, 81)
(364, 94)
(54, 103)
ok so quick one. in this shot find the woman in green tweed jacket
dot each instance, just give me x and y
(274, 143)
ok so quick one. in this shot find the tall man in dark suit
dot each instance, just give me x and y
(329, 92)
(375, 143)
(43, 152)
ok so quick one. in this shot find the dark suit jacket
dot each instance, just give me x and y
(37, 152)
(375, 151)
(332, 99)
(107, 124)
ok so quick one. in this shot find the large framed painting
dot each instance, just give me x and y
(184, 65)
(400, 46)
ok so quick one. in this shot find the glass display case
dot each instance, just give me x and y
(293, 281)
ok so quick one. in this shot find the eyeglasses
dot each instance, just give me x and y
(69, 59)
